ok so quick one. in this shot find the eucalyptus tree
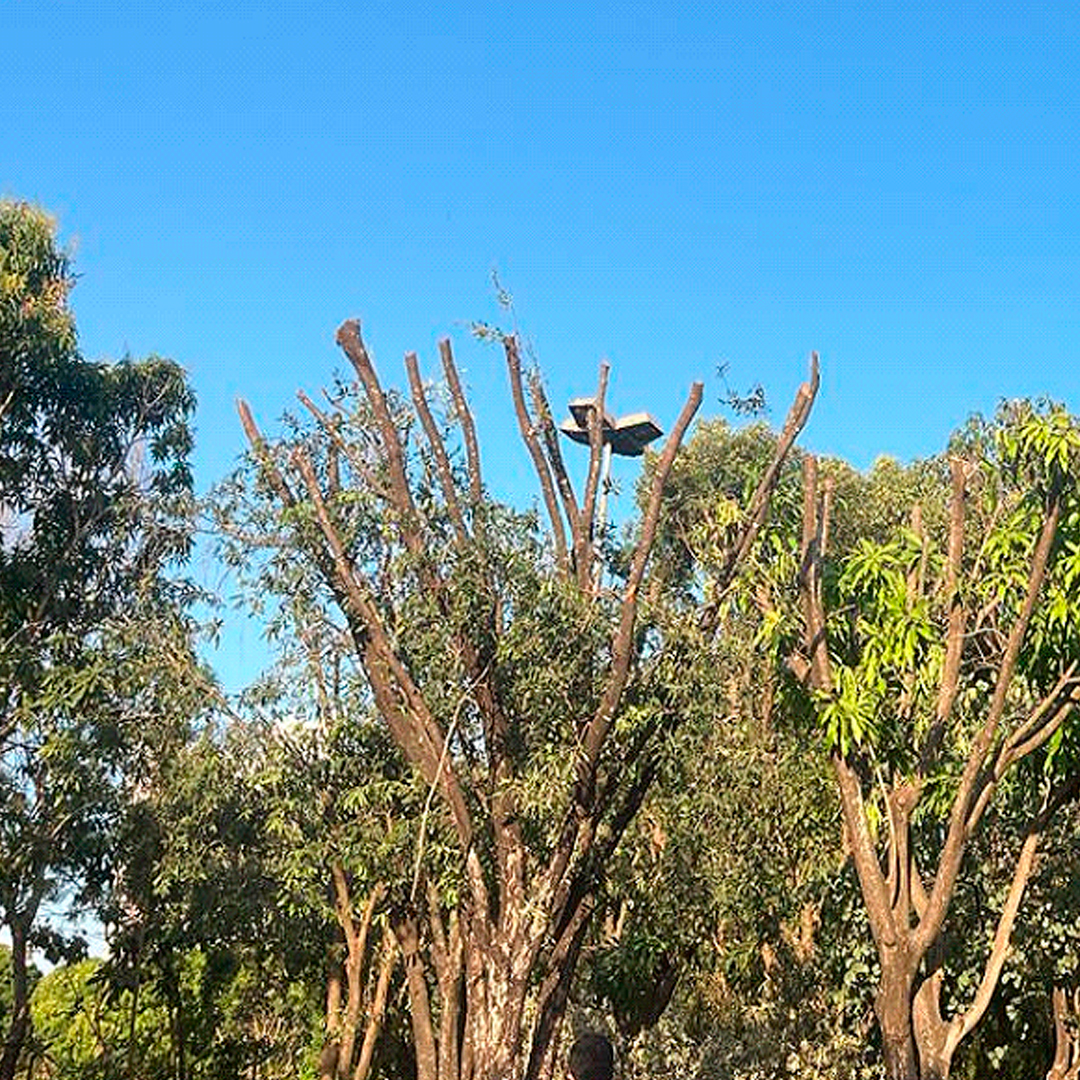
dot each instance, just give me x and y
(943, 669)
(531, 701)
(93, 482)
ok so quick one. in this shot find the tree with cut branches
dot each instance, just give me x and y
(532, 701)
(943, 664)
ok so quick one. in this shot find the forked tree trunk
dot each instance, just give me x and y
(487, 980)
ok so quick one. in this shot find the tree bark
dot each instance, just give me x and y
(1066, 1063)
(893, 1008)
(19, 1026)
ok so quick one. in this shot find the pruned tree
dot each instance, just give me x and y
(942, 663)
(532, 701)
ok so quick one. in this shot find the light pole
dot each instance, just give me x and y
(628, 436)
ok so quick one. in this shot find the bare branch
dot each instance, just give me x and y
(464, 415)
(362, 468)
(348, 337)
(1045, 712)
(558, 467)
(438, 450)
(871, 880)
(263, 455)
(1045, 719)
(532, 444)
(953, 849)
(592, 480)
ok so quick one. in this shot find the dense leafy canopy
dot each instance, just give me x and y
(93, 486)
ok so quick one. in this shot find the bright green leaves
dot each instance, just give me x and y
(885, 642)
(890, 603)
(1039, 441)
(849, 716)
(879, 571)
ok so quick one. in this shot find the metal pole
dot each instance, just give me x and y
(601, 509)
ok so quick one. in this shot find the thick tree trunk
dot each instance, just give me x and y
(1066, 1063)
(893, 1008)
(495, 1031)
(19, 1027)
(899, 1056)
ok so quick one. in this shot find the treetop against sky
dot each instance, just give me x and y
(671, 190)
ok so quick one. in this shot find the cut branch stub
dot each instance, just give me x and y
(532, 444)
(558, 466)
(465, 419)
(348, 337)
(438, 449)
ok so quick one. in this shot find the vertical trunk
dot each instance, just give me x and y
(408, 938)
(893, 1008)
(496, 1037)
(19, 1026)
(1066, 1063)
(499, 966)
(898, 1052)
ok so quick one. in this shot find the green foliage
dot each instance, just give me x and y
(82, 1030)
(754, 1006)
(94, 499)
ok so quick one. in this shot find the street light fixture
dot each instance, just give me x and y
(628, 436)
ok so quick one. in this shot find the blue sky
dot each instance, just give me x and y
(892, 185)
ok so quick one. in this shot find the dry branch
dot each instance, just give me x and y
(532, 444)
(465, 419)
(437, 447)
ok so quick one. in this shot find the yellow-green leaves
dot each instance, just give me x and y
(1040, 441)
(849, 716)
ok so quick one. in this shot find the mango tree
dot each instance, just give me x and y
(943, 663)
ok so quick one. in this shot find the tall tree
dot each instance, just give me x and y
(944, 664)
(93, 476)
(533, 702)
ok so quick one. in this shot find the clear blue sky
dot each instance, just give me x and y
(894, 186)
